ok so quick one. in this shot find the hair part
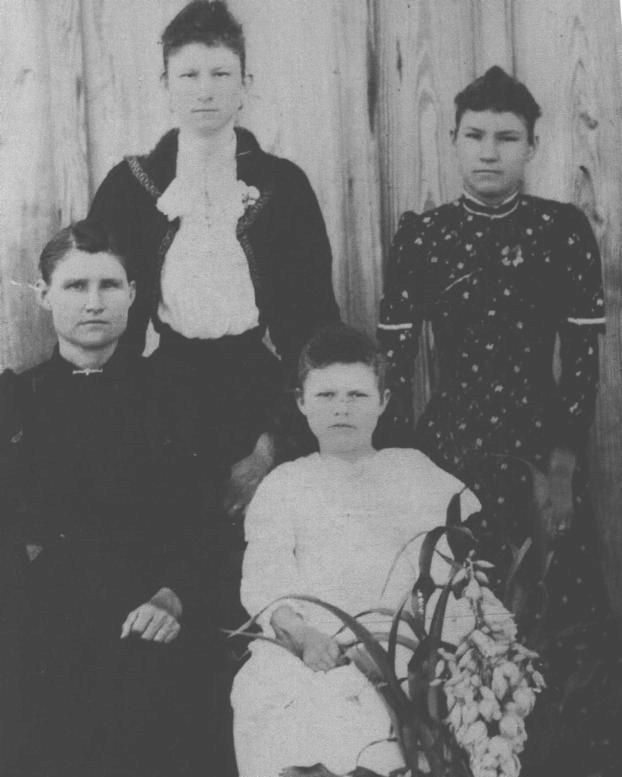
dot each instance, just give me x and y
(204, 21)
(499, 92)
(341, 344)
(86, 235)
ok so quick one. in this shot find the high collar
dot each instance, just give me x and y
(479, 208)
(161, 162)
(115, 368)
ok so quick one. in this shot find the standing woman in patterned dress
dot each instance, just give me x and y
(500, 275)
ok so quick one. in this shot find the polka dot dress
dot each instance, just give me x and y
(500, 287)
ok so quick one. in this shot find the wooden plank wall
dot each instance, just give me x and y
(359, 93)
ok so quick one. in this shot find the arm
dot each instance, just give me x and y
(304, 297)
(581, 321)
(124, 208)
(401, 319)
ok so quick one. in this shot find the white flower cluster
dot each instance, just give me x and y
(490, 682)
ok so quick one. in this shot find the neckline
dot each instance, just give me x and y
(478, 208)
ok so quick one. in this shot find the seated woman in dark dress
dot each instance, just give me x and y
(499, 274)
(99, 495)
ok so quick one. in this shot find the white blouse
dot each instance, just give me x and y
(207, 291)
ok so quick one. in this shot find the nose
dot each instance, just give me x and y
(488, 149)
(94, 300)
(206, 88)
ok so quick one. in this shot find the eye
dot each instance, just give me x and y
(473, 135)
(111, 283)
(189, 74)
(325, 394)
(358, 394)
(75, 285)
(222, 73)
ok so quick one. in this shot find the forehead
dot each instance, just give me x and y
(77, 263)
(201, 55)
(348, 376)
(493, 121)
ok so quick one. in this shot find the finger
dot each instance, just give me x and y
(172, 634)
(165, 631)
(145, 615)
(159, 621)
(126, 628)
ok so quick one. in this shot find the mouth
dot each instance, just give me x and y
(342, 426)
(487, 172)
(205, 110)
(94, 322)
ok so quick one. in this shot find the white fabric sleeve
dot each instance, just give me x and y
(269, 569)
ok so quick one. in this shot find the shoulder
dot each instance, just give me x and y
(15, 389)
(254, 162)
(563, 214)
(292, 476)
(419, 225)
(418, 470)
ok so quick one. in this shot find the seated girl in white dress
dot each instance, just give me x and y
(331, 525)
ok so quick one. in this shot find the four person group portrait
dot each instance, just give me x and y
(267, 451)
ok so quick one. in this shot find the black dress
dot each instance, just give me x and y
(95, 471)
(498, 285)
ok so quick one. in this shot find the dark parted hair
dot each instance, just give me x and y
(204, 21)
(341, 344)
(499, 92)
(86, 235)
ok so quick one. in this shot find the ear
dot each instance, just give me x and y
(300, 401)
(384, 400)
(41, 291)
(453, 134)
(533, 147)
(132, 291)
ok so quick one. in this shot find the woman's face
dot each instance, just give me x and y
(493, 151)
(89, 296)
(205, 87)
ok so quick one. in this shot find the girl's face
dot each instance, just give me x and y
(89, 296)
(493, 151)
(342, 404)
(205, 87)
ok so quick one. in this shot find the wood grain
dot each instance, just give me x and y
(567, 51)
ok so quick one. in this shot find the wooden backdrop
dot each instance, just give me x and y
(359, 92)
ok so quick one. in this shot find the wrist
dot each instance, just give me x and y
(167, 599)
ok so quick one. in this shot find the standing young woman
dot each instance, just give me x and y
(100, 501)
(499, 275)
(229, 242)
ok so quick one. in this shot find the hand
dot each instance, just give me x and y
(319, 651)
(246, 475)
(32, 551)
(157, 620)
(561, 468)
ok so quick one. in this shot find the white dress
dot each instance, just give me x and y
(332, 529)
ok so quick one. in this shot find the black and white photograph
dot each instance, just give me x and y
(310, 388)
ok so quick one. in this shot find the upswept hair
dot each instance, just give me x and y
(204, 21)
(341, 344)
(499, 92)
(86, 235)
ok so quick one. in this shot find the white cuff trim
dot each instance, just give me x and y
(395, 326)
(586, 321)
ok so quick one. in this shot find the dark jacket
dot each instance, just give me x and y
(282, 234)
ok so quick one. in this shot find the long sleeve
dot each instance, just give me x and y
(581, 321)
(401, 318)
(303, 287)
(269, 569)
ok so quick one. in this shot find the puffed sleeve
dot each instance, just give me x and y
(122, 206)
(269, 569)
(303, 293)
(401, 317)
(581, 319)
